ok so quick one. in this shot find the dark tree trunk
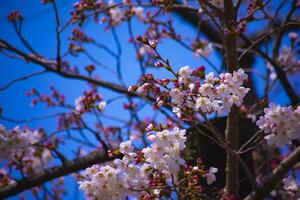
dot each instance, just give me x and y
(213, 155)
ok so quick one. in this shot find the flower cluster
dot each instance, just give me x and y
(194, 92)
(114, 15)
(5, 179)
(79, 36)
(104, 183)
(51, 100)
(67, 120)
(140, 174)
(290, 184)
(117, 15)
(88, 102)
(14, 16)
(203, 48)
(87, 5)
(290, 188)
(164, 152)
(216, 93)
(282, 124)
(17, 145)
(288, 59)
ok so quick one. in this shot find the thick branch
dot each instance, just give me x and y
(232, 131)
(276, 176)
(53, 173)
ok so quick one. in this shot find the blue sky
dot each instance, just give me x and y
(38, 28)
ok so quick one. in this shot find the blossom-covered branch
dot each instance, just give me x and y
(40, 178)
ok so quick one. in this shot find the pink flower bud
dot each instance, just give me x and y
(158, 64)
(132, 88)
(293, 35)
(160, 103)
(153, 43)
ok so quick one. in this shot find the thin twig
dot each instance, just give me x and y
(21, 79)
(58, 58)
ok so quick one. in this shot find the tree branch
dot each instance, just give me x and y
(53, 173)
(57, 36)
(21, 79)
(232, 131)
(50, 66)
(276, 176)
(279, 71)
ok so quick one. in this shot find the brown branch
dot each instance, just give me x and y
(11, 120)
(278, 70)
(53, 173)
(141, 60)
(280, 33)
(58, 60)
(232, 127)
(277, 175)
(18, 31)
(265, 35)
(21, 79)
(205, 26)
(73, 21)
(250, 15)
(50, 64)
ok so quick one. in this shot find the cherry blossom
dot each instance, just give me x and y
(196, 92)
(205, 51)
(287, 58)
(164, 153)
(101, 106)
(216, 94)
(103, 183)
(281, 124)
(5, 179)
(290, 184)
(18, 145)
(87, 102)
(126, 147)
(124, 177)
(210, 176)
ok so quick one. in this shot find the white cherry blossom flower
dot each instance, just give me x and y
(210, 176)
(204, 104)
(290, 184)
(126, 147)
(101, 106)
(281, 124)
